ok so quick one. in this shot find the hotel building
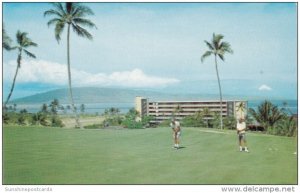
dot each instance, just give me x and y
(165, 110)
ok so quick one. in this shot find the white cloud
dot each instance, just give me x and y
(264, 88)
(55, 73)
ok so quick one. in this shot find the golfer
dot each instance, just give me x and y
(175, 125)
(241, 131)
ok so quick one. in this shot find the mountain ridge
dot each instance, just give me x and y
(119, 95)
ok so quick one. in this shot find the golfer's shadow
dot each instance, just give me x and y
(181, 147)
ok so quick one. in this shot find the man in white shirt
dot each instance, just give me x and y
(241, 131)
(175, 125)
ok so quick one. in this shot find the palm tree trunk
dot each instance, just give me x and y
(220, 92)
(70, 81)
(15, 77)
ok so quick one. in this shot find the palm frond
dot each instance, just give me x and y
(209, 45)
(6, 43)
(59, 27)
(54, 21)
(29, 43)
(221, 56)
(60, 8)
(216, 40)
(84, 22)
(81, 32)
(81, 10)
(14, 47)
(20, 36)
(225, 47)
(217, 37)
(205, 55)
(53, 12)
(6, 40)
(29, 54)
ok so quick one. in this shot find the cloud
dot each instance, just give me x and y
(54, 73)
(264, 88)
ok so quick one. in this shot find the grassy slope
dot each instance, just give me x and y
(70, 122)
(66, 156)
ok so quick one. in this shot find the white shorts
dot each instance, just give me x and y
(178, 134)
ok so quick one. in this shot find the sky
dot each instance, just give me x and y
(158, 46)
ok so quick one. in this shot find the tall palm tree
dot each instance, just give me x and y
(217, 48)
(70, 15)
(23, 42)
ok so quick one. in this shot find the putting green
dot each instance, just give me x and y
(37, 155)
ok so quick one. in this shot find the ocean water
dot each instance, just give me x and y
(292, 105)
(90, 108)
(93, 108)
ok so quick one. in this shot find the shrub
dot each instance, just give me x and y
(216, 121)
(146, 121)
(229, 123)
(94, 126)
(114, 121)
(130, 120)
(56, 122)
(5, 118)
(132, 124)
(284, 127)
(165, 123)
(40, 119)
(192, 121)
(21, 119)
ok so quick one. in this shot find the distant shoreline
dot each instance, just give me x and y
(92, 108)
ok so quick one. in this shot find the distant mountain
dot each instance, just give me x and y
(110, 95)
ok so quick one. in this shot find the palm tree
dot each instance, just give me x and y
(54, 106)
(217, 48)
(23, 42)
(267, 114)
(113, 111)
(241, 108)
(82, 108)
(44, 109)
(73, 16)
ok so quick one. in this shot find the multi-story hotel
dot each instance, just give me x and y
(165, 110)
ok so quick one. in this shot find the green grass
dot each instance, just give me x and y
(36, 155)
